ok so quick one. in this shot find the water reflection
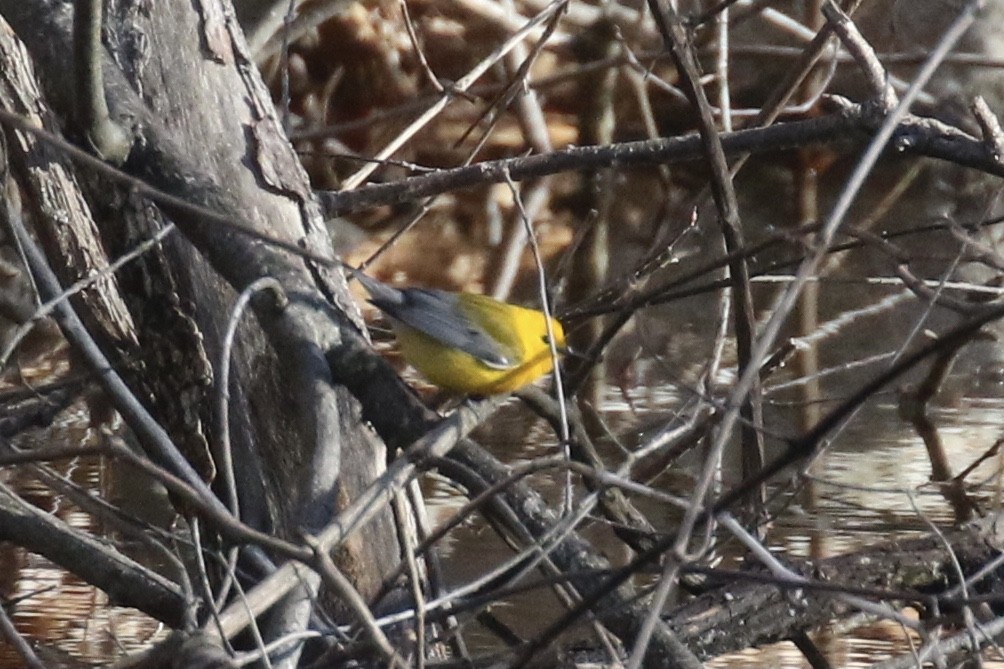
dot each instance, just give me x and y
(70, 620)
(872, 483)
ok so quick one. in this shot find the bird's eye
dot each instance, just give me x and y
(546, 340)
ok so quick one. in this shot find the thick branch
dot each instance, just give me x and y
(126, 582)
(854, 123)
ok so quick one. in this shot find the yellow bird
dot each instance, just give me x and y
(467, 343)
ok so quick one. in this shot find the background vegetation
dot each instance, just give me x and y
(770, 228)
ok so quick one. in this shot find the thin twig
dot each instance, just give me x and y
(45, 309)
(222, 413)
(348, 595)
(863, 54)
(461, 85)
(18, 642)
(990, 125)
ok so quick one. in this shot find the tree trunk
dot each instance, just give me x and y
(179, 76)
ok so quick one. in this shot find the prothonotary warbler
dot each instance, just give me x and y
(467, 343)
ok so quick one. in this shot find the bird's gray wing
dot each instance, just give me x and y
(436, 313)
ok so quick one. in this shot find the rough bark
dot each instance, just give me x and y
(206, 131)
